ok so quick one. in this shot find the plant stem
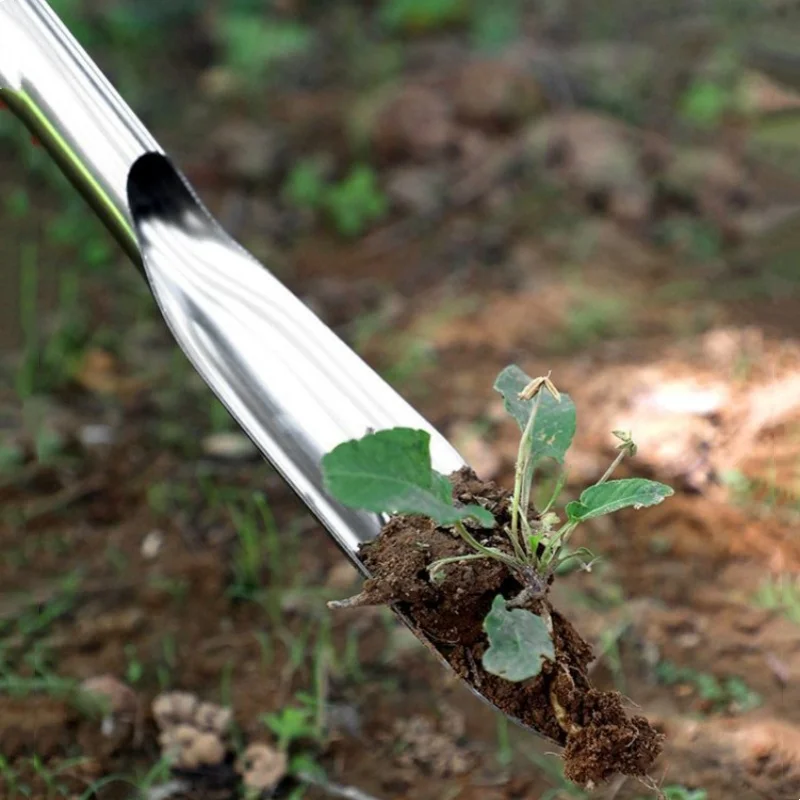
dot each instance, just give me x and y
(486, 551)
(442, 562)
(526, 532)
(555, 544)
(614, 464)
(560, 483)
(547, 618)
(518, 551)
(522, 477)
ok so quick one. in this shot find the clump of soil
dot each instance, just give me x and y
(599, 738)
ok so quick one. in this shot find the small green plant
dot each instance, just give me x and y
(294, 727)
(51, 777)
(705, 103)
(254, 45)
(723, 694)
(495, 25)
(257, 546)
(291, 724)
(590, 318)
(12, 457)
(390, 471)
(134, 671)
(35, 615)
(305, 186)
(697, 239)
(422, 15)
(48, 363)
(219, 417)
(48, 444)
(356, 201)
(352, 204)
(781, 593)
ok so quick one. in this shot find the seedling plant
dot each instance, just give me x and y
(391, 472)
(352, 204)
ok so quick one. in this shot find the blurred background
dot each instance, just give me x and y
(610, 191)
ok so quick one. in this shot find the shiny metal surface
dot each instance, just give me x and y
(49, 81)
(288, 380)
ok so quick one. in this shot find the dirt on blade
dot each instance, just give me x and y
(599, 737)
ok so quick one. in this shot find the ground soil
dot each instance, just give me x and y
(599, 738)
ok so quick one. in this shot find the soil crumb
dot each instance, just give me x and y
(599, 738)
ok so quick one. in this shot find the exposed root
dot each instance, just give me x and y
(359, 600)
(562, 717)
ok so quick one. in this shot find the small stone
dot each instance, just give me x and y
(491, 93)
(344, 717)
(418, 190)
(96, 435)
(431, 749)
(262, 767)
(117, 697)
(218, 82)
(229, 447)
(151, 544)
(414, 124)
(206, 750)
(245, 150)
(189, 748)
(715, 183)
(212, 717)
(173, 708)
(595, 156)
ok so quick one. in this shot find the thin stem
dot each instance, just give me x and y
(581, 551)
(489, 552)
(546, 617)
(443, 562)
(519, 552)
(556, 543)
(527, 532)
(560, 483)
(614, 464)
(527, 482)
(532, 543)
(521, 477)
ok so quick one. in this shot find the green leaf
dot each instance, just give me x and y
(48, 444)
(253, 45)
(305, 186)
(518, 641)
(304, 764)
(11, 457)
(606, 498)
(357, 201)
(422, 14)
(390, 471)
(555, 422)
(705, 103)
